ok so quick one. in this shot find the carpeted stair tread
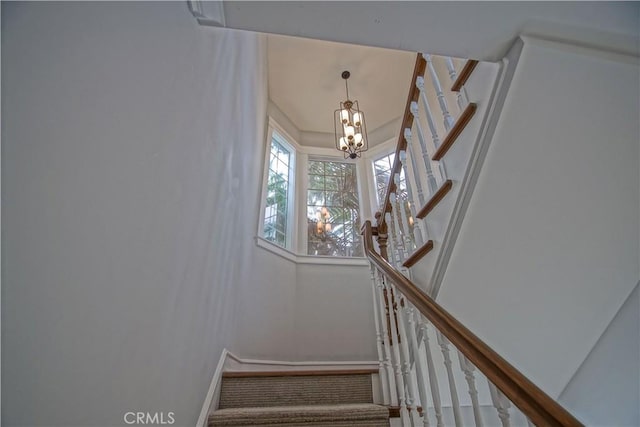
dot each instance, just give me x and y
(364, 414)
(263, 391)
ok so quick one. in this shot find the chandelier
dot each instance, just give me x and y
(323, 225)
(351, 132)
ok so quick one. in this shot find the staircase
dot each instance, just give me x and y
(432, 369)
(298, 398)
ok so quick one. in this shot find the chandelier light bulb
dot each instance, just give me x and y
(350, 132)
(344, 115)
(343, 144)
(357, 119)
(358, 139)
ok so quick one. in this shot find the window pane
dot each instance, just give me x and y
(333, 168)
(316, 168)
(315, 198)
(333, 183)
(350, 200)
(333, 198)
(333, 214)
(277, 203)
(382, 170)
(316, 182)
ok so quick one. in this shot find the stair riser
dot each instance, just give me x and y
(297, 390)
(367, 423)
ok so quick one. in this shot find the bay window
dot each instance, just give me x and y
(310, 202)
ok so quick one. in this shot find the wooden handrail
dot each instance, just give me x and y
(531, 400)
(407, 122)
(464, 75)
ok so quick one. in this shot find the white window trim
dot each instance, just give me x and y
(292, 217)
(380, 150)
(359, 179)
(309, 259)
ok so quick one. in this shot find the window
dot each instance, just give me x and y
(382, 173)
(310, 211)
(278, 208)
(333, 210)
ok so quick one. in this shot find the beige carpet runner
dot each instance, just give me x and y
(298, 399)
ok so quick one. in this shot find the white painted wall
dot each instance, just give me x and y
(479, 30)
(266, 310)
(334, 313)
(122, 165)
(301, 312)
(548, 250)
(606, 389)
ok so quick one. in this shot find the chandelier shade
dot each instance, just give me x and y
(350, 127)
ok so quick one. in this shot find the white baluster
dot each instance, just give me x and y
(431, 179)
(384, 382)
(453, 75)
(397, 235)
(455, 402)
(417, 224)
(468, 368)
(422, 378)
(385, 310)
(393, 302)
(430, 122)
(448, 120)
(416, 172)
(433, 379)
(501, 403)
(394, 258)
(406, 363)
(407, 240)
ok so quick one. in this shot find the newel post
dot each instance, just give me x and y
(389, 298)
(382, 236)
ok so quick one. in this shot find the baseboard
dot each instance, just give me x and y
(213, 395)
(236, 363)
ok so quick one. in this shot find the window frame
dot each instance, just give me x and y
(359, 192)
(297, 248)
(386, 148)
(293, 148)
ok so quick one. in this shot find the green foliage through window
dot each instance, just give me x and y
(382, 171)
(277, 206)
(333, 210)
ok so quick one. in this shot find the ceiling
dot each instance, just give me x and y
(305, 82)
(464, 29)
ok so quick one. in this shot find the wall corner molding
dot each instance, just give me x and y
(208, 13)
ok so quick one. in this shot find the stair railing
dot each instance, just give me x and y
(418, 178)
(407, 320)
(418, 342)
